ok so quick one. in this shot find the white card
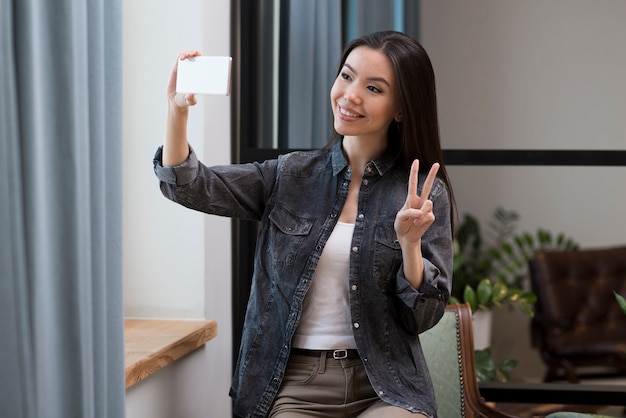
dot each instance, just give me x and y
(204, 75)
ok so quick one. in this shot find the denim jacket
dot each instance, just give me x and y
(297, 199)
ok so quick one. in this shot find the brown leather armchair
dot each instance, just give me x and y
(578, 322)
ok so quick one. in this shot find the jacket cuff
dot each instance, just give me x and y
(178, 175)
(411, 296)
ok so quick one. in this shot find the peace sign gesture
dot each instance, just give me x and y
(416, 216)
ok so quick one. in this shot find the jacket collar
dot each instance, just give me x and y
(382, 163)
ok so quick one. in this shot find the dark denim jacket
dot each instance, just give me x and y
(297, 199)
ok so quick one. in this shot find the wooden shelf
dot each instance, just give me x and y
(151, 344)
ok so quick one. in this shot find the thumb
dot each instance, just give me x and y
(183, 100)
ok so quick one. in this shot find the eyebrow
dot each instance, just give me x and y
(380, 79)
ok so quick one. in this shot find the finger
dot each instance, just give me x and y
(188, 54)
(185, 99)
(413, 180)
(430, 180)
(427, 207)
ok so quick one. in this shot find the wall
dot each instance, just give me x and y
(533, 75)
(176, 262)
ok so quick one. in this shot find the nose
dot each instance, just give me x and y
(351, 95)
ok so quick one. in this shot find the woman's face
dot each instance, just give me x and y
(363, 97)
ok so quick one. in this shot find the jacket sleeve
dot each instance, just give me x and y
(238, 190)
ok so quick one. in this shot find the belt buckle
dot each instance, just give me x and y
(340, 354)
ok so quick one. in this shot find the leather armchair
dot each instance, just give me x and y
(577, 322)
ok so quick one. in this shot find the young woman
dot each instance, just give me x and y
(354, 251)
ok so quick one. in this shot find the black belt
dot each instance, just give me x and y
(334, 354)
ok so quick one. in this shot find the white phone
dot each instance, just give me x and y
(204, 75)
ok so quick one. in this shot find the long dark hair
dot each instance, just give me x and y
(417, 135)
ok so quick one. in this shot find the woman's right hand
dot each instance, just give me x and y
(179, 100)
(175, 146)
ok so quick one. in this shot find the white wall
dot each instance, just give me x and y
(533, 75)
(176, 262)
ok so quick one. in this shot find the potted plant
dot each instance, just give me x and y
(492, 272)
(479, 266)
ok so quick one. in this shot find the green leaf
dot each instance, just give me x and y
(494, 253)
(529, 239)
(488, 369)
(499, 291)
(506, 248)
(469, 296)
(484, 291)
(503, 370)
(545, 238)
(485, 366)
(529, 297)
(560, 239)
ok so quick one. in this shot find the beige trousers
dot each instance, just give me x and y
(317, 387)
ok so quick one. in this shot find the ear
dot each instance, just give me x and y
(398, 117)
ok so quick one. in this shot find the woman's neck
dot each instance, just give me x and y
(360, 151)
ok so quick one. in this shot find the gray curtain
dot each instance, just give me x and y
(366, 16)
(313, 53)
(61, 321)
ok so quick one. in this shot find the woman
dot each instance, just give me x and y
(354, 251)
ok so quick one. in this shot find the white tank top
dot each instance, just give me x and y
(325, 321)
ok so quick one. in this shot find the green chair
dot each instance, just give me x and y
(449, 351)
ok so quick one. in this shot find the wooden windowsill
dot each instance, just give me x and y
(151, 344)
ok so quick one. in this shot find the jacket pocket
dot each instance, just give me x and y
(387, 258)
(287, 234)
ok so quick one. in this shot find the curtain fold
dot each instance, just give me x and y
(366, 16)
(60, 231)
(313, 50)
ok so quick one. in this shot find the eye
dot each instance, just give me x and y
(345, 76)
(374, 89)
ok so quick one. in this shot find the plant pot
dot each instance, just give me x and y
(482, 321)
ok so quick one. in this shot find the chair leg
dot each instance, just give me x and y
(570, 372)
(551, 374)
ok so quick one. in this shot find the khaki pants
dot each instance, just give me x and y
(317, 387)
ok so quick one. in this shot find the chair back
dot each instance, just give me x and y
(449, 351)
(578, 321)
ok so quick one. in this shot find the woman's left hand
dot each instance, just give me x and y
(416, 216)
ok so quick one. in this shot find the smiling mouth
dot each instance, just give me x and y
(347, 113)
